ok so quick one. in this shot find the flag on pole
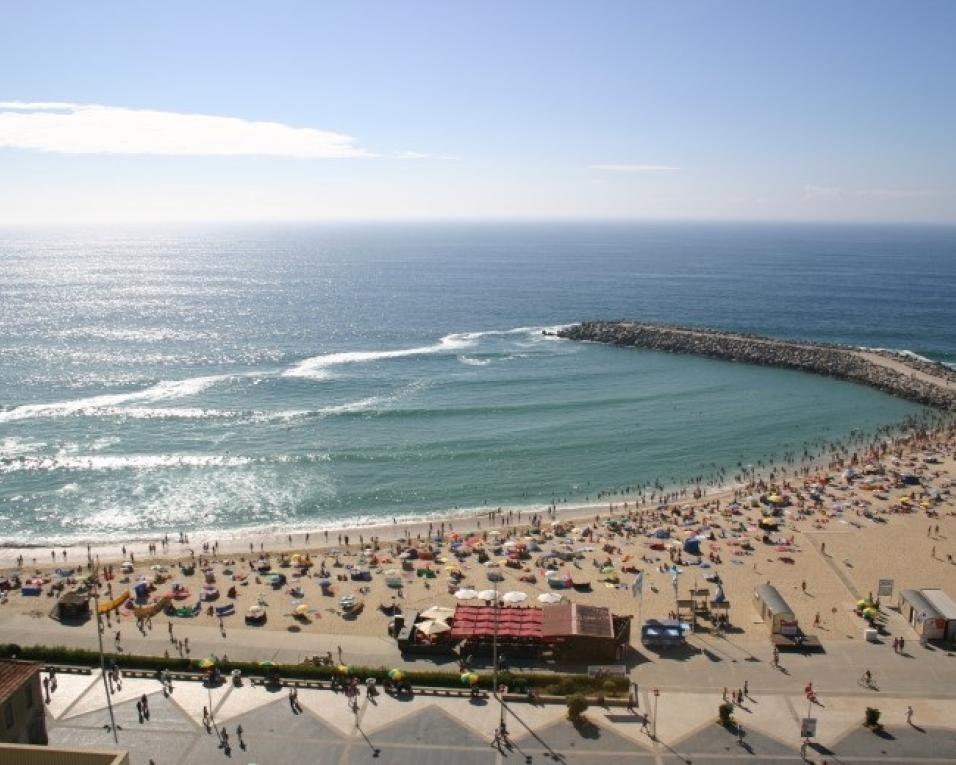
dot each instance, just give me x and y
(638, 587)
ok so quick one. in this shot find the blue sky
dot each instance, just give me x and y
(667, 110)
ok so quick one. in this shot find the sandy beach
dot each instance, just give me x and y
(843, 525)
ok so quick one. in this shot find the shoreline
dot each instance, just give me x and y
(313, 538)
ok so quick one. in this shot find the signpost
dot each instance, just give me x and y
(808, 727)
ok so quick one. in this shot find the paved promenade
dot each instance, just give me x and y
(430, 729)
(437, 729)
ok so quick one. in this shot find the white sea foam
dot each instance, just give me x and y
(473, 362)
(900, 352)
(106, 462)
(162, 391)
(14, 446)
(317, 367)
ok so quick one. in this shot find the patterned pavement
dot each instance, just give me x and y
(429, 730)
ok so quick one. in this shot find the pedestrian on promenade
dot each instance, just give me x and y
(909, 715)
(746, 689)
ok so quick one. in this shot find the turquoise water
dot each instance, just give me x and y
(276, 377)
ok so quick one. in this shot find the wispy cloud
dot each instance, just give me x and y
(838, 192)
(635, 168)
(69, 128)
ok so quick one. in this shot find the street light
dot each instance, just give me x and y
(657, 694)
(494, 661)
(99, 637)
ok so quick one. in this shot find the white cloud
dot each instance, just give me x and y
(837, 192)
(635, 168)
(94, 129)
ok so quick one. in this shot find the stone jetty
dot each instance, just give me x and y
(901, 375)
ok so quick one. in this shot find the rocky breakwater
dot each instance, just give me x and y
(917, 380)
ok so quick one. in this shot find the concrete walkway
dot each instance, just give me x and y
(429, 729)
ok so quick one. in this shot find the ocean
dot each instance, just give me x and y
(230, 378)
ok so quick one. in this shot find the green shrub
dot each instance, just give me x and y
(552, 684)
(577, 704)
(725, 713)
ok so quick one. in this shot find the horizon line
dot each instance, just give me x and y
(474, 219)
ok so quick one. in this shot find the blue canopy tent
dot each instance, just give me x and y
(692, 546)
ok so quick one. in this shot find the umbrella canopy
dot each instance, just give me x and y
(396, 674)
(342, 669)
(267, 663)
(431, 627)
(466, 594)
(469, 678)
(301, 610)
(549, 597)
(514, 597)
(439, 613)
(487, 595)
(208, 663)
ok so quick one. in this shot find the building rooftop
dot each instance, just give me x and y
(14, 675)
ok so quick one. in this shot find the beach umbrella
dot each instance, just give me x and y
(439, 613)
(431, 627)
(466, 594)
(487, 595)
(469, 678)
(267, 664)
(342, 669)
(208, 663)
(396, 675)
(549, 597)
(514, 597)
(301, 610)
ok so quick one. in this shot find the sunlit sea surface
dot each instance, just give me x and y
(275, 377)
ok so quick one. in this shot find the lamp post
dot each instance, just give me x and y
(657, 695)
(99, 637)
(494, 661)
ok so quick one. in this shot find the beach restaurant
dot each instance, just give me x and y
(570, 628)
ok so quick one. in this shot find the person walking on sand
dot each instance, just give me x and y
(909, 715)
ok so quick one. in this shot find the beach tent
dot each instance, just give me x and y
(692, 546)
